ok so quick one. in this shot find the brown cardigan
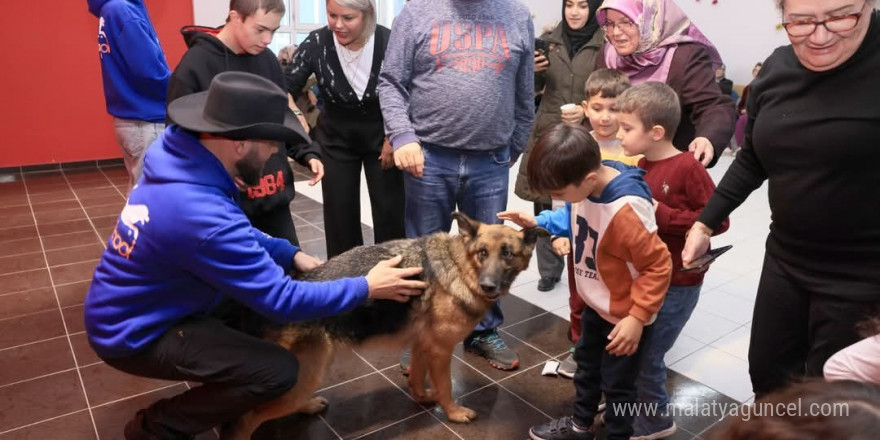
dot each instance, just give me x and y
(705, 112)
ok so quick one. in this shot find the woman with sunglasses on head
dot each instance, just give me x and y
(653, 40)
(345, 56)
(813, 133)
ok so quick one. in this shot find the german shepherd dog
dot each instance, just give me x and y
(466, 274)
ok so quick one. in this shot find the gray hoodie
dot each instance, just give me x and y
(460, 74)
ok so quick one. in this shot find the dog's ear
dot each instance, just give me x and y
(530, 235)
(466, 225)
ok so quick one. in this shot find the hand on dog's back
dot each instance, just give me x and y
(387, 281)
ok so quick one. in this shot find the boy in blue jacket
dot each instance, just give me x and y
(182, 244)
(135, 75)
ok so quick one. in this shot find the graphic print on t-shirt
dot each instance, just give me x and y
(469, 45)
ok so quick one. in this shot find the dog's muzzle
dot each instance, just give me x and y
(490, 291)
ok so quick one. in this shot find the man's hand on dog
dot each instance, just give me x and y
(521, 218)
(409, 158)
(304, 262)
(625, 336)
(387, 281)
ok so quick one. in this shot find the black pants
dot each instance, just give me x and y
(238, 372)
(550, 265)
(796, 326)
(600, 372)
(342, 201)
(277, 222)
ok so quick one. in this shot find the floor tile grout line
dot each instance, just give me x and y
(346, 382)
(42, 421)
(308, 222)
(327, 424)
(133, 396)
(31, 343)
(64, 321)
(101, 240)
(50, 266)
(524, 400)
(58, 249)
(43, 252)
(391, 424)
(125, 197)
(42, 376)
(91, 365)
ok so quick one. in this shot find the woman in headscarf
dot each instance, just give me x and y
(653, 40)
(561, 69)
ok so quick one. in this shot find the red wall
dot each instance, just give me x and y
(52, 100)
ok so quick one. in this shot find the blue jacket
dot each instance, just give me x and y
(628, 183)
(132, 62)
(181, 243)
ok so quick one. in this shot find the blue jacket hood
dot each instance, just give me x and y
(184, 160)
(629, 183)
(95, 6)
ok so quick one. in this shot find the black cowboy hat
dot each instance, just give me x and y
(239, 106)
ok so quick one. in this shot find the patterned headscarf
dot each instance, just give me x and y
(662, 27)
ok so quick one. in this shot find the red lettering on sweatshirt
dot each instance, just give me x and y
(469, 46)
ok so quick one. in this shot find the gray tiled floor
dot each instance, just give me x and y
(53, 226)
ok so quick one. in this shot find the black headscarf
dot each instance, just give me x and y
(576, 38)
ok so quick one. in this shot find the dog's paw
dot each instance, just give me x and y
(460, 414)
(426, 397)
(314, 405)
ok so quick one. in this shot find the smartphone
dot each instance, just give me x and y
(543, 47)
(700, 263)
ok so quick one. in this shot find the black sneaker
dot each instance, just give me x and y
(546, 284)
(559, 429)
(490, 346)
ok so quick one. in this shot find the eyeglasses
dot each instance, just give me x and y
(623, 25)
(806, 27)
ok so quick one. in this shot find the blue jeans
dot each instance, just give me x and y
(475, 182)
(677, 308)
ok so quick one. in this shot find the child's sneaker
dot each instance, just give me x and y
(560, 429)
(568, 366)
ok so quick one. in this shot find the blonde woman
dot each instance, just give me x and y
(345, 57)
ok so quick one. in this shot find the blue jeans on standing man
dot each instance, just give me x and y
(474, 181)
(677, 308)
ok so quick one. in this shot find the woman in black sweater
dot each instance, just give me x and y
(345, 57)
(814, 134)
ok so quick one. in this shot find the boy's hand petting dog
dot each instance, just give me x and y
(521, 218)
(562, 246)
(304, 262)
(386, 281)
(625, 336)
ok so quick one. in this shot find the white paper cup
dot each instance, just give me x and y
(568, 108)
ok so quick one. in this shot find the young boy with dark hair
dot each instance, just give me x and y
(622, 270)
(601, 89)
(648, 115)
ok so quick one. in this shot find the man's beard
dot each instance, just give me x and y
(249, 168)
